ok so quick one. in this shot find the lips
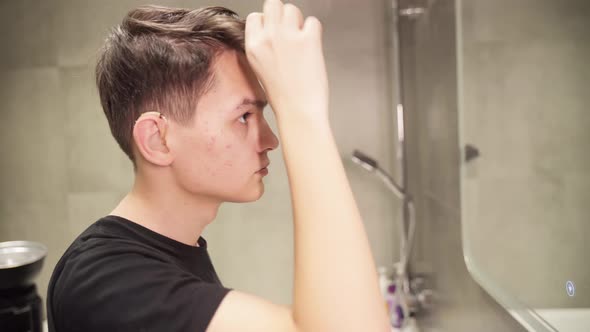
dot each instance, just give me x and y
(263, 167)
(263, 172)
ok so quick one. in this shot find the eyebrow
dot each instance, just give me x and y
(261, 104)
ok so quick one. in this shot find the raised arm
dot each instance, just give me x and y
(335, 282)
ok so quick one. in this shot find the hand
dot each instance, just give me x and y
(286, 55)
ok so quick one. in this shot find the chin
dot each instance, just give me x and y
(248, 197)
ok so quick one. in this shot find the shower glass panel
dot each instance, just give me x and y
(524, 122)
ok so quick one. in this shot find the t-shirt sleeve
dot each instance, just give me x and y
(134, 293)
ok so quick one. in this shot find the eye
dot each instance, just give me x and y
(244, 115)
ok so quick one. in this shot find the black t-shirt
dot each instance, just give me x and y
(121, 276)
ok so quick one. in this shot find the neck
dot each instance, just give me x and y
(167, 209)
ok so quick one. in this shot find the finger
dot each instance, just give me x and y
(253, 25)
(292, 16)
(252, 31)
(313, 26)
(273, 11)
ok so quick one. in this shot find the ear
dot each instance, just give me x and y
(149, 134)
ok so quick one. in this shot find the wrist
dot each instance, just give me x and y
(312, 117)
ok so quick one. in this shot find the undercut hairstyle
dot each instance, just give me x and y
(160, 59)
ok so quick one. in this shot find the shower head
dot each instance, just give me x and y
(371, 165)
(365, 161)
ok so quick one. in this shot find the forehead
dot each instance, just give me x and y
(234, 79)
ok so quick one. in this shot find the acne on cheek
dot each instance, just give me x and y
(210, 171)
(211, 143)
(211, 148)
(228, 163)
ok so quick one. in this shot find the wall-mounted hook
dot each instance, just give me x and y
(471, 152)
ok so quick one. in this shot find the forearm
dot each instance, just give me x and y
(335, 285)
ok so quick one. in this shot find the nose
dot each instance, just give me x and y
(267, 140)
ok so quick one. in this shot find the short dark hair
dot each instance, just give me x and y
(159, 59)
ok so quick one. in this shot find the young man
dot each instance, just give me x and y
(181, 93)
